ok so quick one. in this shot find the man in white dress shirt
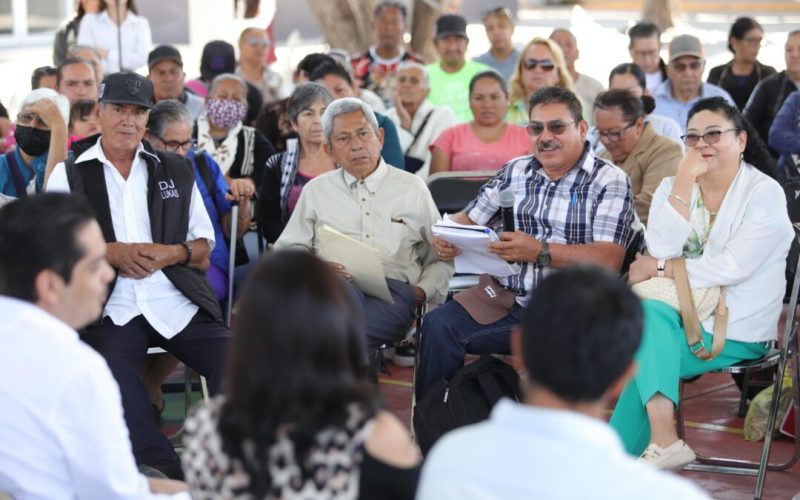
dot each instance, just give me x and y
(159, 239)
(381, 206)
(577, 342)
(62, 433)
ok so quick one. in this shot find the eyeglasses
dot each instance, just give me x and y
(545, 64)
(613, 136)
(175, 146)
(681, 67)
(255, 41)
(31, 120)
(646, 53)
(555, 127)
(362, 135)
(710, 137)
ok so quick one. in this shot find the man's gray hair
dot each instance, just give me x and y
(228, 76)
(164, 114)
(412, 64)
(344, 106)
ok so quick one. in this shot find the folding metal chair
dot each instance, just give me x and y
(788, 352)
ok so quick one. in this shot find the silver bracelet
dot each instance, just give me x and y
(680, 200)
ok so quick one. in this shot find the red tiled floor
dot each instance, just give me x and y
(713, 399)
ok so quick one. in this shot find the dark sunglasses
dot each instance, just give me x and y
(545, 64)
(710, 137)
(681, 67)
(556, 127)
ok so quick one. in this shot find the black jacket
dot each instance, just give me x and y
(766, 100)
(170, 180)
(739, 89)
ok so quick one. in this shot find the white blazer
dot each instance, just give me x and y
(745, 252)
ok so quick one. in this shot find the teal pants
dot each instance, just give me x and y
(664, 358)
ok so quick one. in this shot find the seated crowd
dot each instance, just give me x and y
(132, 208)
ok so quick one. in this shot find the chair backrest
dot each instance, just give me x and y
(452, 191)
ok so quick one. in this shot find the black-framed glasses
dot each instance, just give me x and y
(555, 127)
(613, 136)
(175, 146)
(545, 64)
(710, 137)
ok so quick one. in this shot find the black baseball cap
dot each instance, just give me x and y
(164, 53)
(126, 87)
(451, 24)
(218, 57)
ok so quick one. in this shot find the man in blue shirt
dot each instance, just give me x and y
(684, 85)
(41, 129)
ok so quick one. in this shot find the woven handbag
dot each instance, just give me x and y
(694, 305)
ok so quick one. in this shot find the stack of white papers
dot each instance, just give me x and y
(361, 261)
(473, 242)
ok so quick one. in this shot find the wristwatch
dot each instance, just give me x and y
(544, 255)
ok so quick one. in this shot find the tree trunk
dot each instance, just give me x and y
(659, 12)
(347, 24)
(422, 26)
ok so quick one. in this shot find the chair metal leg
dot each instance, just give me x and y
(745, 392)
(764, 465)
(187, 389)
(679, 424)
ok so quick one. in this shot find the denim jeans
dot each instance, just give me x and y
(449, 332)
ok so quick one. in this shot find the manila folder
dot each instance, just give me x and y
(362, 261)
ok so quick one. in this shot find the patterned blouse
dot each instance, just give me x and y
(335, 459)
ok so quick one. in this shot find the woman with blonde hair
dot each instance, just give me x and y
(541, 64)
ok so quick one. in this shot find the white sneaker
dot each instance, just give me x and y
(674, 457)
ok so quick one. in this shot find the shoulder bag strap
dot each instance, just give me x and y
(205, 174)
(419, 130)
(16, 175)
(691, 323)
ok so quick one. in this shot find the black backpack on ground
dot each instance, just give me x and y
(467, 399)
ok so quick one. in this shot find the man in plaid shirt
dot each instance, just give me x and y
(569, 207)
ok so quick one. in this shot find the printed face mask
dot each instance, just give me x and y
(225, 113)
(32, 141)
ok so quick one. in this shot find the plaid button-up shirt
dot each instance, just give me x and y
(591, 203)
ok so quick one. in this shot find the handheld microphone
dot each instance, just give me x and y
(506, 200)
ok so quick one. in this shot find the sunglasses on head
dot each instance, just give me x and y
(556, 127)
(497, 11)
(681, 67)
(254, 41)
(710, 137)
(545, 64)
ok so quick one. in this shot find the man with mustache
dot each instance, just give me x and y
(569, 207)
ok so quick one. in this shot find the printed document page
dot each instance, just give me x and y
(473, 241)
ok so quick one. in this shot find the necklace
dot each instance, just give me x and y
(712, 218)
